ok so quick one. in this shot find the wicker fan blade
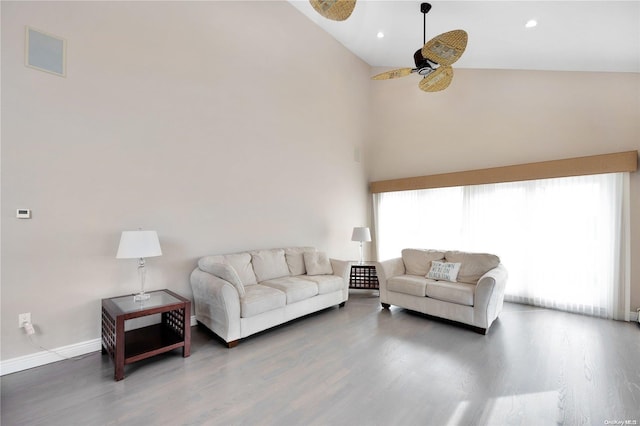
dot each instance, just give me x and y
(437, 80)
(400, 72)
(336, 10)
(446, 48)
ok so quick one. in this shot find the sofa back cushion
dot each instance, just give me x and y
(230, 267)
(269, 264)
(295, 259)
(418, 261)
(224, 271)
(474, 265)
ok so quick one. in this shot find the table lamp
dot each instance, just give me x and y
(361, 234)
(138, 245)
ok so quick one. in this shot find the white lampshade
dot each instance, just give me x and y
(361, 234)
(138, 244)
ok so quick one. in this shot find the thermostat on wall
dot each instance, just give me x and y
(23, 213)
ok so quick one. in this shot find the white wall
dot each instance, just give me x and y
(225, 126)
(491, 118)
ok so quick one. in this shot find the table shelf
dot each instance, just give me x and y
(148, 341)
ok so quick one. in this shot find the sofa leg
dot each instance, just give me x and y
(232, 344)
(385, 305)
(342, 304)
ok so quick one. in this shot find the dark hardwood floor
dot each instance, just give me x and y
(358, 365)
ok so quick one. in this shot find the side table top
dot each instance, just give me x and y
(126, 304)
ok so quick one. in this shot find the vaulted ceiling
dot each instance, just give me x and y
(569, 36)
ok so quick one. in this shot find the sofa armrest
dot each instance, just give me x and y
(342, 268)
(216, 304)
(489, 296)
(388, 269)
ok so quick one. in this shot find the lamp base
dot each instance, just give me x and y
(141, 297)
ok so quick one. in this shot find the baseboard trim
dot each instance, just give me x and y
(37, 359)
(45, 357)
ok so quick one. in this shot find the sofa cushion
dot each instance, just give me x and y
(317, 263)
(326, 283)
(446, 271)
(295, 288)
(226, 272)
(295, 259)
(268, 264)
(459, 293)
(418, 262)
(259, 299)
(240, 262)
(413, 285)
(474, 265)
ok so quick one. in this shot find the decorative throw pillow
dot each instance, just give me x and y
(295, 259)
(317, 263)
(445, 271)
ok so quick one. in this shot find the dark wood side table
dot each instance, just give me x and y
(364, 276)
(172, 332)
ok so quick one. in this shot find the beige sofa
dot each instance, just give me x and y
(237, 295)
(472, 295)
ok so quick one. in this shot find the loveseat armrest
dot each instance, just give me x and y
(388, 269)
(489, 296)
(216, 304)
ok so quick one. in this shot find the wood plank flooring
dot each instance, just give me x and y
(357, 365)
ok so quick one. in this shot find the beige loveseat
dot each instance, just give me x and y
(237, 295)
(464, 287)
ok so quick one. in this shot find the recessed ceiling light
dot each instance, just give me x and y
(380, 34)
(531, 23)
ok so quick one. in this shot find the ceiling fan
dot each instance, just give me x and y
(433, 61)
(336, 10)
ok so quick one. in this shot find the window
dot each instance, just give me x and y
(563, 240)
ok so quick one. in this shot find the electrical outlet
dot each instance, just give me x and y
(22, 318)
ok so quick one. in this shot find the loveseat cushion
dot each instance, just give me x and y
(295, 259)
(295, 288)
(459, 293)
(413, 285)
(268, 264)
(326, 283)
(418, 262)
(474, 265)
(240, 262)
(259, 299)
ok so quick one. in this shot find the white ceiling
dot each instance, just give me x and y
(570, 35)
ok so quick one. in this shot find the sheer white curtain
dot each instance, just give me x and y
(564, 241)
